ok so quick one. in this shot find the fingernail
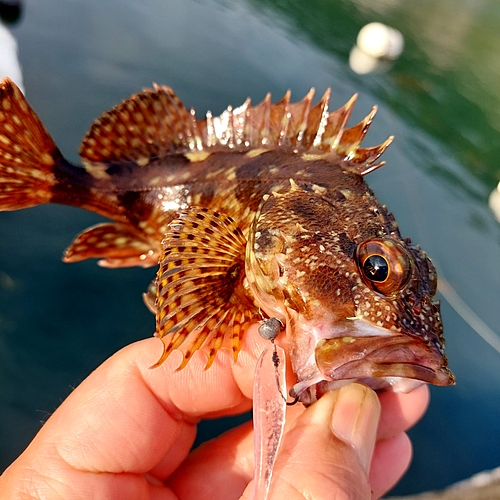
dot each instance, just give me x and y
(355, 420)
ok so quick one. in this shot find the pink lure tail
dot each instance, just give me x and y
(269, 412)
(27, 152)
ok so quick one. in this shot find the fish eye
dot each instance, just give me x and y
(384, 265)
(376, 268)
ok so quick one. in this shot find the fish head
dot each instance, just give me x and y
(356, 298)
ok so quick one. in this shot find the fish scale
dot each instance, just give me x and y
(261, 212)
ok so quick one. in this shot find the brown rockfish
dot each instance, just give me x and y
(260, 212)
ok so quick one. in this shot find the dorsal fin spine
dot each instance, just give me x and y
(266, 120)
(246, 139)
(238, 129)
(306, 101)
(280, 119)
(198, 140)
(230, 128)
(211, 138)
(285, 120)
(190, 134)
(351, 138)
(323, 103)
(344, 113)
(367, 157)
(371, 168)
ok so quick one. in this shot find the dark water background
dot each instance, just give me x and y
(441, 99)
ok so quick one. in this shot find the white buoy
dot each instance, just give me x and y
(494, 202)
(377, 45)
(9, 61)
(380, 41)
(363, 64)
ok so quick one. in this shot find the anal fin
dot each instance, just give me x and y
(201, 300)
(115, 244)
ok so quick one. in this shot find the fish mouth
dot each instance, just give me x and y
(380, 358)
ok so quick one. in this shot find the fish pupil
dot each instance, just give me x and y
(376, 268)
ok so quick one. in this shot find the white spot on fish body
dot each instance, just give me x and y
(347, 193)
(197, 156)
(255, 152)
(214, 173)
(120, 241)
(312, 157)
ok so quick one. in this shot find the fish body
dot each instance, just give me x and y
(260, 212)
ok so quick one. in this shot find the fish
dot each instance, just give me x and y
(261, 213)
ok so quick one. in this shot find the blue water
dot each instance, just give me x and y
(79, 58)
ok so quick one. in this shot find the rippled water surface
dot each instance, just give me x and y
(440, 99)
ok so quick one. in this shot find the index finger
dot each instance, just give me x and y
(223, 389)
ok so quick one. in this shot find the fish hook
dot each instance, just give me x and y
(269, 330)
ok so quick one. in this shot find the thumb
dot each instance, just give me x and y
(328, 449)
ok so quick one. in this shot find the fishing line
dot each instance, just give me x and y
(444, 286)
(468, 315)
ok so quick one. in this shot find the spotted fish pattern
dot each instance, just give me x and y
(260, 212)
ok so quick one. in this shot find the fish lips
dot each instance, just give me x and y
(399, 355)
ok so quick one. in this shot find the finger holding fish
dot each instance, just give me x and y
(216, 458)
(400, 411)
(228, 460)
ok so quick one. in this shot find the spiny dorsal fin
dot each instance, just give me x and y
(200, 294)
(155, 123)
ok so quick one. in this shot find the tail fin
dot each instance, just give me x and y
(28, 154)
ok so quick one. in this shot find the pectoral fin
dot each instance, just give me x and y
(201, 297)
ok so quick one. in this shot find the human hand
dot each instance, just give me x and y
(126, 433)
